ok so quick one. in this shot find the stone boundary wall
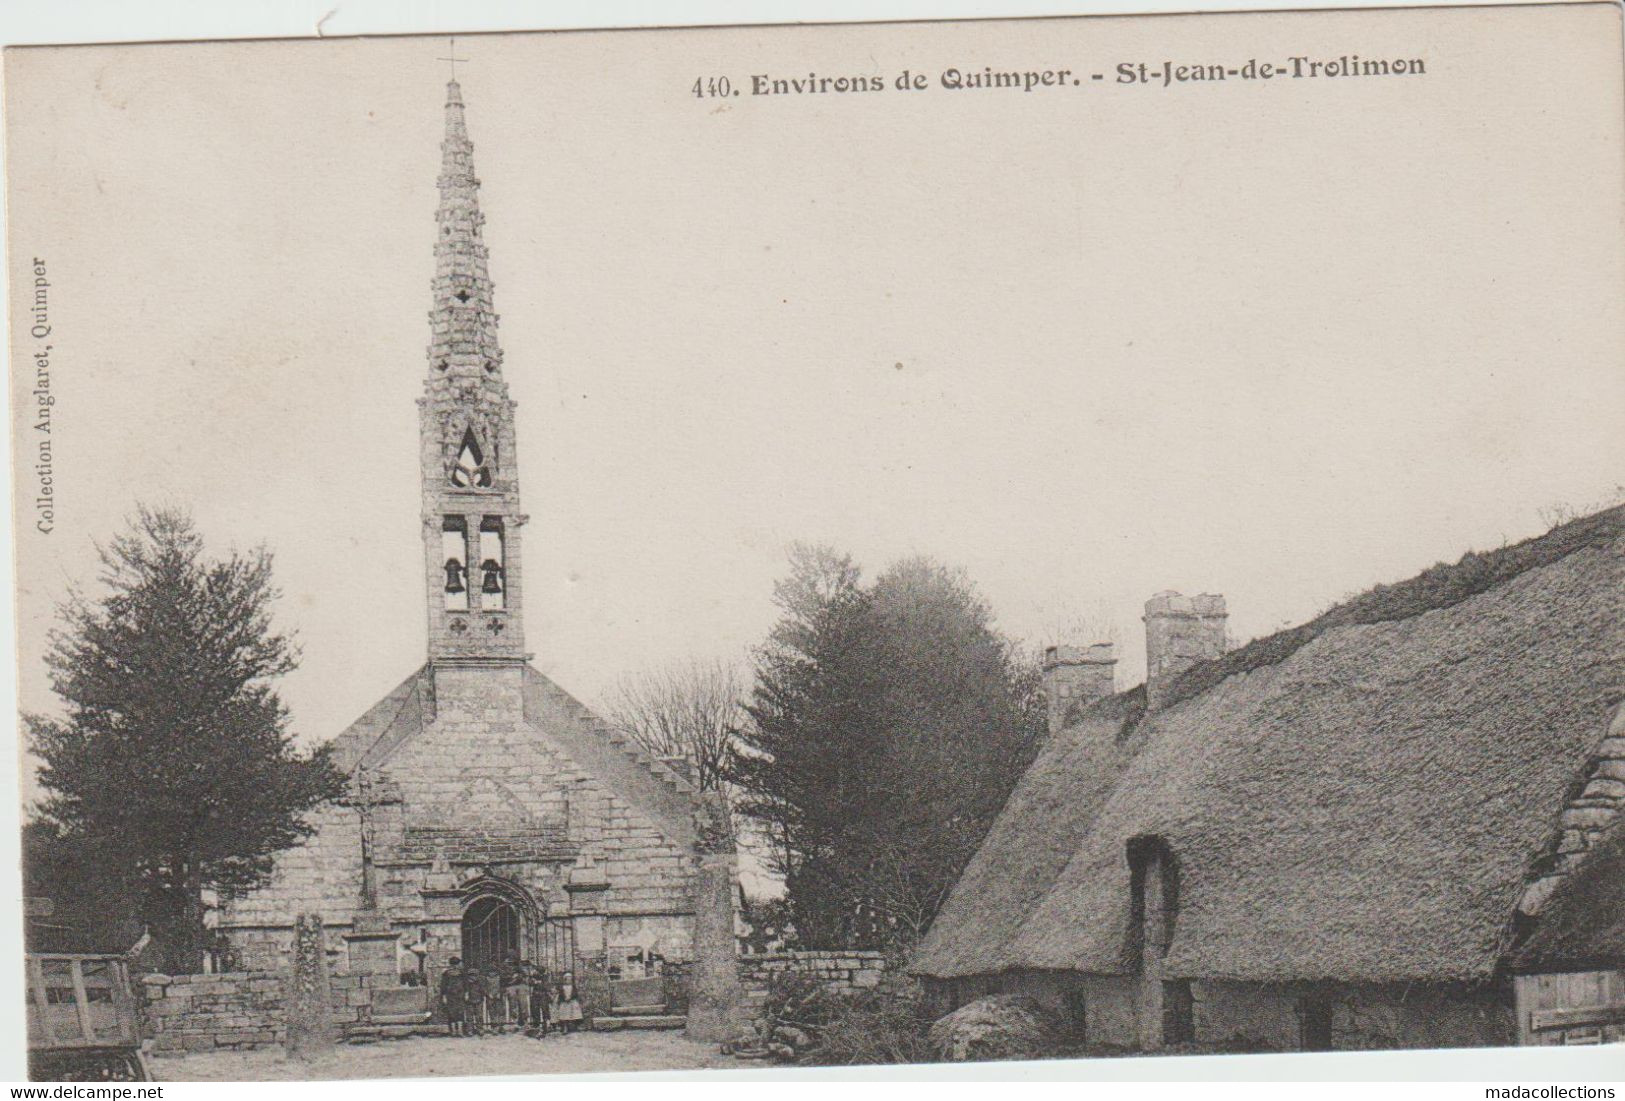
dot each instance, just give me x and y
(846, 972)
(235, 1009)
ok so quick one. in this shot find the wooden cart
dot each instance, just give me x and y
(83, 1022)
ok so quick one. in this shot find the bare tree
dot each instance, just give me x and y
(1079, 623)
(689, 710)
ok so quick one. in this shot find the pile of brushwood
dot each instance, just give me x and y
(807, 1023)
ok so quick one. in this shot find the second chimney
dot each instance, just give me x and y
(1075, 676)
(1180, 631)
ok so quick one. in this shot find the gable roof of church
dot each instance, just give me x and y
(1365, 804)
(599, 749)
(361, 736)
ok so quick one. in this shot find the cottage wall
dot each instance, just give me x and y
(1360, 1016)
(1259, 1016)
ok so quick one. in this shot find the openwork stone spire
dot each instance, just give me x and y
(471, 512)
(463, 326)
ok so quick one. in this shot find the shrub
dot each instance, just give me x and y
(873, 1029)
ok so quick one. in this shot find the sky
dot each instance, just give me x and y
(1280, 341)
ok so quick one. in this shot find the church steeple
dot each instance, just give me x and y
(471, 516)
(464, 327)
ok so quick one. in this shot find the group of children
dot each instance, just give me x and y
(518, 996)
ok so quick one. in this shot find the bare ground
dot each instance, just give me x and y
(434, 1056)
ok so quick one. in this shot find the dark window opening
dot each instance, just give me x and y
(1314, 1024)
(1153, 898)
(1178, 1017)
(1077, 1014)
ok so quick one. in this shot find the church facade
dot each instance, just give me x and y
(488, 812)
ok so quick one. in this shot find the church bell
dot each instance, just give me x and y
(454, 576)
(493, 576)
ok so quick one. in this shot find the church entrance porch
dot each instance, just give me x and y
(497, 926)
(493, 933)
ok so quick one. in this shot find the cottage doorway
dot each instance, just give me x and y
(493, 930)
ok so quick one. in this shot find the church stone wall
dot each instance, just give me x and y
(482, 763)
(486, 783)
(320, 875)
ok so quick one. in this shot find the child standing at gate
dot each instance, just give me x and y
(567, 1005)
(541, 1002)
(516, 988)
(494, 1000)
(454, 997)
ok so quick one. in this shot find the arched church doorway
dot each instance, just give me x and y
(493, 930)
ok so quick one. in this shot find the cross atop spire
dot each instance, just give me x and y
(454, 59)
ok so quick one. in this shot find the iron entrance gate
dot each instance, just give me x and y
(494, 930)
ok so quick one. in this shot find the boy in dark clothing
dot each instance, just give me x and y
(516, 991)
(541, 998)
(491, 988)
(454, 997)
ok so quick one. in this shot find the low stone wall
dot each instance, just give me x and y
(846, 972)
(235, 1009)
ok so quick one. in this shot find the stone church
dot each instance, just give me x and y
(489, 812)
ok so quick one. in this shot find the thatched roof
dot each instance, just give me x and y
(1582, 925)
(1362, 805)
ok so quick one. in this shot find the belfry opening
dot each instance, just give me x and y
(470, 471)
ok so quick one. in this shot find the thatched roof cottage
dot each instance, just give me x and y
(1339, 836)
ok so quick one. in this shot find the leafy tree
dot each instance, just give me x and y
(92, 904)
(173, 764)
(889, 724)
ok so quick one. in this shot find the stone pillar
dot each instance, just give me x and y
(715, 993)
(309, 994)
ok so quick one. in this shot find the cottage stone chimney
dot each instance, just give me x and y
(1074, 676)
(1180, 631)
